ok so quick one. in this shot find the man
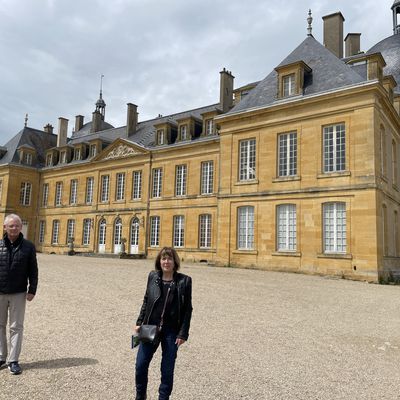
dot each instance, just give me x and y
(18, 283)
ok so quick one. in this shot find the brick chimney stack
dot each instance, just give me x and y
(226, 90)
(96, 121)
(79, 122)
(333, 33)
(62, 132)
(131, 119)
(48, 128)
(352, 44)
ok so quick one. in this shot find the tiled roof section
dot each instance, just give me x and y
(85, 130)
(390, 50)
(38, 140)
(145, 132)
(328, 73)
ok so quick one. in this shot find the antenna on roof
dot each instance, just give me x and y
(309, 20)
(26, 119)
(101, 86)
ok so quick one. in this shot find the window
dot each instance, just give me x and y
(105, 186)
(287, 150)
(120, 189)
(73, 191)
(288, 83)
(154, 231)
(25, 194)
(183, 132)
(286, 224)
(246, 228)
(56, 230)
(70, 229)
(394, 162)
(205, 231)
(92, 150)
(383, 151)
(77, 154)
(118, 232)
(63, 157)
(137, 185)
(385, 231)
(89, 190)
(209, 127)
(102, 232)
(180, 180)
(179, 231)
(334, 148)
(58, 198)
(42, 228)
(157, 183)
(49, 160)
(207, 177)
(27, 158)
(160, 136)
(247, 160)
(334, 220)
(87, 224)
(45, 194)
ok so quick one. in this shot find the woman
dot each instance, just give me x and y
(164, 283)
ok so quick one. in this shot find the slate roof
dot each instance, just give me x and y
(328, 73)
(390, 50)
(32, 138)
(145, 131)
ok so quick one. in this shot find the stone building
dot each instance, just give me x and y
(296, 172)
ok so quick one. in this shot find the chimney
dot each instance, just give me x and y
(48, 128)
(226, 90)
(96, 122)
(78, 122)
(333, 33)
(131, 119)
(352, 44)
(62, 132)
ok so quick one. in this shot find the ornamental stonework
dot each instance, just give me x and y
(121, 151)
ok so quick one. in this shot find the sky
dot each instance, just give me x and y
(162, 55)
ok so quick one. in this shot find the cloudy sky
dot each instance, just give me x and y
(163, 55)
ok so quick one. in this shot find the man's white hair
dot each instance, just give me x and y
(14, 217)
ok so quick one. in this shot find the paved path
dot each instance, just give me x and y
(255, 335)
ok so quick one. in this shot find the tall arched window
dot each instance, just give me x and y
(385, 230)
(383, 151)
(102, 235)
(394, 162)
(117, 235)
(134, 236)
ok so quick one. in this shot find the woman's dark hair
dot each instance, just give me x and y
(168, 251)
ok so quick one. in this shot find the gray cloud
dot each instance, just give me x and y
(164, 56)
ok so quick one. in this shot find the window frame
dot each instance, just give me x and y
(331, 231)
(247, 159)
(245, 228)
(330, 152)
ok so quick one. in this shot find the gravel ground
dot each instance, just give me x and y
(255, 335)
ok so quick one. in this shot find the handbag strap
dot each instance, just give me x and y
(165, 306)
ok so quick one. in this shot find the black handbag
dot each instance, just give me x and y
(151, 333)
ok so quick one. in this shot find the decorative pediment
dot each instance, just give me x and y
(120, 149)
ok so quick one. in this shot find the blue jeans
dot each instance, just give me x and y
(143, 359)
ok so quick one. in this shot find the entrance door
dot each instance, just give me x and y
(118, 236)
(134, 236)
(102, 236)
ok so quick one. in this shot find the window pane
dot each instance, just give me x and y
(246, 228)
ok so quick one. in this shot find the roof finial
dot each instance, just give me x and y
(100, 103)
(309, 20)
(26, 119)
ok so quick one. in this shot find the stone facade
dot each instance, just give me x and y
(299, 172)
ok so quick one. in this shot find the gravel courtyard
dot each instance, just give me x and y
(255, 335)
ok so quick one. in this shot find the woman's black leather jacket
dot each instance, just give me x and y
(153, 293)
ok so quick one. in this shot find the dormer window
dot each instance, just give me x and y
(183, 132)
(93, 150)
(209, 127)
(77, 154)
(63, 157)
(27, 158)
(160, 137)
(49, 160)
(289, 85)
